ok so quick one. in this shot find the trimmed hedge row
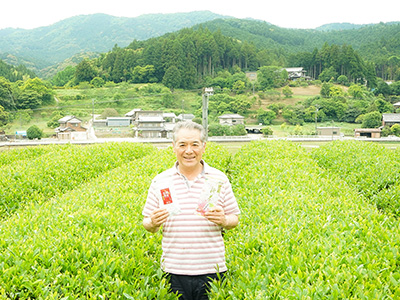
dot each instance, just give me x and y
(57, 169)
(371, 168)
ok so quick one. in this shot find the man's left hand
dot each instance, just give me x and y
(216, 215)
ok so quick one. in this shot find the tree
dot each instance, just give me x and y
(269, 77)
(328, 74)
(34, 132)
(64, 76)
(218, 130)
(237, 130)
(395, 129)
(372, 120)
(265, 116)
(4, 117)
(383, 106)
(326, 89)
(109, 112)
(53, 123)
(342, 79)
(172, 78)
(267, 131)
(97, 82)
(287, 91)
(28, 99)
(240, 105)
(6, 97)
(84, 71)
(356, 91)
(239, 86)
(144, 74)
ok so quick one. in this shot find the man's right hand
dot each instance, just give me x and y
(157, 218)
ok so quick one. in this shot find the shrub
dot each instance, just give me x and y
(34, 132)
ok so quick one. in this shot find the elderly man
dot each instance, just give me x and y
(193, 202)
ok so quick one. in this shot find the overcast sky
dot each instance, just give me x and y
(30, 14)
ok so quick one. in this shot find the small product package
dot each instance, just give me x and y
(209, 195)
(168, 203)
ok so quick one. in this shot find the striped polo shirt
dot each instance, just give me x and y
(191, 244)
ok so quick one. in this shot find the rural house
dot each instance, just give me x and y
(328, 131)
(149, 124)
(231, 119)
(296, 73)
(390, 119)
(71, 129)
(185, 117)
(367, 132)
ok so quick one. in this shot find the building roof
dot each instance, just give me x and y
(391, 117)
(169, 115)
(298, 69)
(231, 116)
(119, 118)
(70, 119)
(132, 112)
(367, 130)
(186, 117)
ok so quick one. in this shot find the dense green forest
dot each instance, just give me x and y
(44, 48)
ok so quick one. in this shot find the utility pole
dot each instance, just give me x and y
(92, 111)
(316, 118)
(207, 93)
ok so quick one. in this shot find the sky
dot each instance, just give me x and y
(305, 14)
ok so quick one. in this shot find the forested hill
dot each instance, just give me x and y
(45, 46)
(46, 49)
(372, 41)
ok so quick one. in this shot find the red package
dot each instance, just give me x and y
(166, 196)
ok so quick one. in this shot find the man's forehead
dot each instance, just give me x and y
(185, 134)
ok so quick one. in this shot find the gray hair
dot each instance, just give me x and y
(191, 126)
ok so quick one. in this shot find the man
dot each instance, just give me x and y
(194, 203)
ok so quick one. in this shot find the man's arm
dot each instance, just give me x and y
(231, 221)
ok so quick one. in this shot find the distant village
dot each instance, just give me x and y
(157, 124)
(144, 124)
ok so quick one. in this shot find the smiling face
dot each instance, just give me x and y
(189, 150)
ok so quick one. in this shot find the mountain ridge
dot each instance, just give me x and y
(48, 45)
(45, 49)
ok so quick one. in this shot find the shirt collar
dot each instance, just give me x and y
(203, 172)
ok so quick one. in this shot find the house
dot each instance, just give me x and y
(185, 117)
(231, 119)
(149, 124)
(169, 117)
(367, 132)
(328, 131)
(71, 129)
(390, 119)
(296, 73)
(118, 121)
